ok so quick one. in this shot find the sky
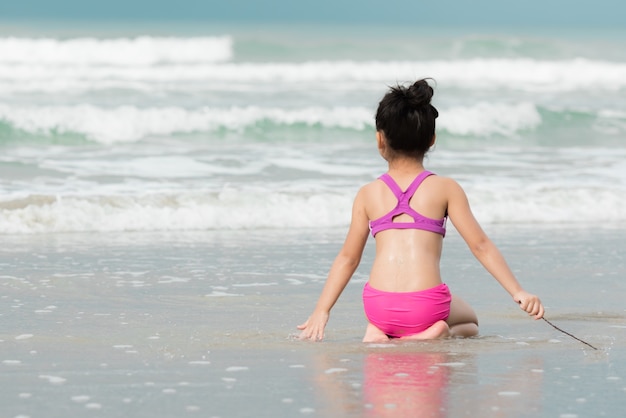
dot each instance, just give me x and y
(581, 13)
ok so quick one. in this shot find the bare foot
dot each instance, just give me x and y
(374, 335)
(437, 330)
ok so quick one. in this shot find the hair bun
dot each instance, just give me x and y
(419, 94)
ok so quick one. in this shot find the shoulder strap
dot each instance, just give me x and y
(417, 182)
(391, 183)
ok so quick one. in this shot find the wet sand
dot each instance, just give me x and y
(203, 324)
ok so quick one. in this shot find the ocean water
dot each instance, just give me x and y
(211, 127)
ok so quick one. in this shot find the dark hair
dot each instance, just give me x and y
(407, 118)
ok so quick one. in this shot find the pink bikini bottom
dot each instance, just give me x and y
(399, 314)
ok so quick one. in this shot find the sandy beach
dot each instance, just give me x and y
(203, 324)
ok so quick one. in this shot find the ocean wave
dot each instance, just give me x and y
(229, 209)
(490, 119)
(129, 123)
(66, 124)
(240, 210)
(87, 53)
(524, 75)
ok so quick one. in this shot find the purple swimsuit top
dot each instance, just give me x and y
(385, 222)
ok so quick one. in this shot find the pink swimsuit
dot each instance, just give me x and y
(400, 314)
(420, 221)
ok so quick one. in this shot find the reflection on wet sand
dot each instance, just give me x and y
(405, 384)
(394, 382)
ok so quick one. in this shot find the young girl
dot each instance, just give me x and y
(406, 211)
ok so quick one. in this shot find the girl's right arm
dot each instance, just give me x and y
(485, 251)
(340, 273)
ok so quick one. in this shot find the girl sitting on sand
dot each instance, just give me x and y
(406, 211)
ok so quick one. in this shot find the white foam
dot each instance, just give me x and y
(237, 368)
(217, 293)
(540, 190)
(170, 279)
(29, 69)
(179, 212)
(262, 284)
(451, 364)
(490, 118)
(81, 398)
(54, 380)
(143, 51)
(24, 336)
(335, 370)
(129, 123)
(79, 214)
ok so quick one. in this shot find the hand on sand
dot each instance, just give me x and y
(313, 328)
(529, 303)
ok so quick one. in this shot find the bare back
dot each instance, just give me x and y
(406, 259)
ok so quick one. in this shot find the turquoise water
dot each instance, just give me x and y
(118, 127)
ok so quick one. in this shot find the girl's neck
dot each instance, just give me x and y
(406, 165)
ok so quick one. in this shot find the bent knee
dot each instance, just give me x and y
(461, 312)
(469, 329)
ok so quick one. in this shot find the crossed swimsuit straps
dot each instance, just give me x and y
(420, 221)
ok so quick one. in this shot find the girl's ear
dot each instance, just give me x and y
(432, 141)
(380, 141)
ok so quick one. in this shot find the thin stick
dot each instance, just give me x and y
(565, 332)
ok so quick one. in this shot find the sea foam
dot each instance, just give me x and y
(131, 123)
(206, 64)
(143, 50)
(251, 209)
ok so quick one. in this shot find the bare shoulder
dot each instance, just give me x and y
(445, 181)
(368, 198)
(451, 195)
(447, 186)
(369, 189)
